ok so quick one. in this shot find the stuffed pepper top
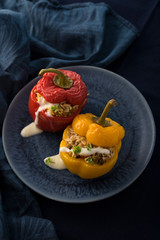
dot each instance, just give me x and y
(56, 99)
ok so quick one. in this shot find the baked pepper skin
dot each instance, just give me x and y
(74, 95)
(102, 136)
(108, 136)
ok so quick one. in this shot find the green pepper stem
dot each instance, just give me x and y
(61, 80)
(102, 119)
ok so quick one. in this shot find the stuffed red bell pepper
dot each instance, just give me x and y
(56, 99)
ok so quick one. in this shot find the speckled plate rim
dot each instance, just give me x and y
(107, 195)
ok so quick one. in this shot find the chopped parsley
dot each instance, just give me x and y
(90, 160)
(48, 161)
(89, 147)
(54, 108)
(76, 149)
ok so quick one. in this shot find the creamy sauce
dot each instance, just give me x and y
(85, 152)
(55, 162)
(43, 106)
(30, 130)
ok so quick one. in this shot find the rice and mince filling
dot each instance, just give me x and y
(75, 140)
(62, 109)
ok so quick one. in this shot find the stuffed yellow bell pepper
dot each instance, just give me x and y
(90, 146)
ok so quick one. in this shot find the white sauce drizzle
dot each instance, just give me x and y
(43, 106)
(55, 162)
(85, 152)
(30, 130)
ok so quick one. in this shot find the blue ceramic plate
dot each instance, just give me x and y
(25, 155)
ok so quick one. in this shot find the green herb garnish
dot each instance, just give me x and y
(89, 147)
(48, 161)
(76, 149)
(54, 108)
(90, 160)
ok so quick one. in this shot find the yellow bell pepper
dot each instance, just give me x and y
(101, 132)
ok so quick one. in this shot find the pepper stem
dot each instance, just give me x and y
(61, 80)
(102, 119)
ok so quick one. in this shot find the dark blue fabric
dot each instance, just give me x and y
(40, 34)
(137, 12)
(77, 34)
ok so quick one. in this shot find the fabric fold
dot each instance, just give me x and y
(88, 34)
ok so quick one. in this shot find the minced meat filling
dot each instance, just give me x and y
(62, 109)
(81, 141)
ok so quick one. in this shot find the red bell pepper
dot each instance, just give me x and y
(57, 86)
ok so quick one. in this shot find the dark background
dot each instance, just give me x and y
(133, 213)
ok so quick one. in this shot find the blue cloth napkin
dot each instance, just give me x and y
(41, 34)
